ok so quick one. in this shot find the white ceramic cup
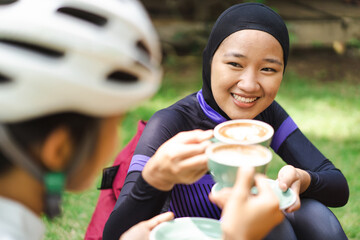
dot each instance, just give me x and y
(245, 132)
(225, 159)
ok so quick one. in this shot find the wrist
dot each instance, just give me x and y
(305, 179)
(153, 176)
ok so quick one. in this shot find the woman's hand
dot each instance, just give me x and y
(246, 216)
(296, 179)
(142, 230)
(181, 159)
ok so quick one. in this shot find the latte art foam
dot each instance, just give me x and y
(244, 132)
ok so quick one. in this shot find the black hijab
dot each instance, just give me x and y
(239, 17)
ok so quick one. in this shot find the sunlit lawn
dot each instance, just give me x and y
(327, 112)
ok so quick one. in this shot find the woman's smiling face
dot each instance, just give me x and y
(246, 72)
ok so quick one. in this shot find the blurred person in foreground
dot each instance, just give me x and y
(69, 70)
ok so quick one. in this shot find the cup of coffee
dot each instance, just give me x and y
(225, 159)
(245, 132)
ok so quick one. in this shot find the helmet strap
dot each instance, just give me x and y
(16, 155)
(54, 182)
(54, 186)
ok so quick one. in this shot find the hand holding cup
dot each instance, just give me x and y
(181, 159)
(245, 215)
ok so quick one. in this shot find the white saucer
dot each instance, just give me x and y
(286, 198)
(189, 228)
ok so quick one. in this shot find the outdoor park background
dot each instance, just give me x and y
(320, 90)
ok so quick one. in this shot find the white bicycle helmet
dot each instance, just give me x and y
(95, 57)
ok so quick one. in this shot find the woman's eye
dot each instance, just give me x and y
(234, 64)
(268, 70)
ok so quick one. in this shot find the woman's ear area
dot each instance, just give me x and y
(56, 149)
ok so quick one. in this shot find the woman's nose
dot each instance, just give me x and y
(248, 81)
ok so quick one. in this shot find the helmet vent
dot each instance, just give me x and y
(142, 46)
(123, 77)
(84, 15)
(6, 2)
(34, 48)
(4, 79)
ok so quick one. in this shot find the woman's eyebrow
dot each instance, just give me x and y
(273, 60)
(239, 55)
(234, 54)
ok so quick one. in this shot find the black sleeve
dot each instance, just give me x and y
(161, 127)
(142, 203)
(328, 185)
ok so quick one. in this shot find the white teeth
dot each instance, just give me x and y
(243, 99)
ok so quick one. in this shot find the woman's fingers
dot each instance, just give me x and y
(296, 206)
(181, 159)
(194, 136)
(182, 151)
(186, 144)
(194, 162)
(287, 176)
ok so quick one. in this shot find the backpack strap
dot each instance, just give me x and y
(112, 181)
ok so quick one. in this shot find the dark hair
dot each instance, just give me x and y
(34, 131)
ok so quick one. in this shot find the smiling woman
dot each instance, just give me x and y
(243, 66)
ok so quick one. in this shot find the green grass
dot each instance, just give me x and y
(327, 113)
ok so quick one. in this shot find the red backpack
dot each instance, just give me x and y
(111, 185)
